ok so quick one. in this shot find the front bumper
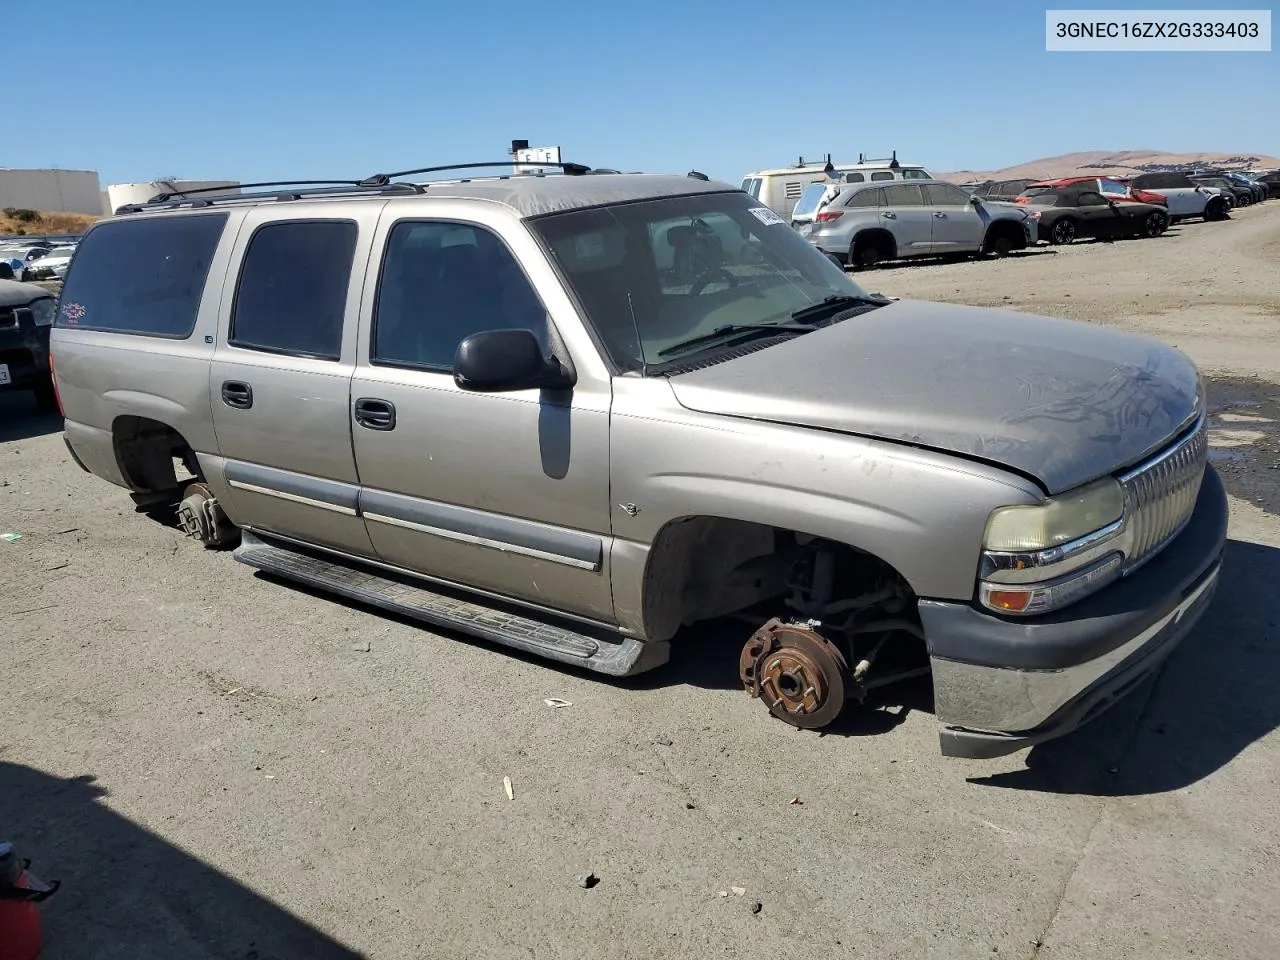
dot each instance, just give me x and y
(25, 352)
(1002, 684)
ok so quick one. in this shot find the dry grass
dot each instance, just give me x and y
(48, 224)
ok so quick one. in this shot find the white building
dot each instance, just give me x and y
(119, 194)
(51, 191)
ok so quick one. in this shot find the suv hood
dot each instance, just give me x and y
(1059, 400)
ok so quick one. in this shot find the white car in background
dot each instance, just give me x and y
(52, 266)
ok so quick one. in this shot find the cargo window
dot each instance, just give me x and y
(910, 174)
(292, 294)
(141, 277)
(441, 282)
(882, 175)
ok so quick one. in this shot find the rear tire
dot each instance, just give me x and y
(866, 254)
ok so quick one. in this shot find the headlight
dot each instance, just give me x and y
(1041, 557)
(1056, 520)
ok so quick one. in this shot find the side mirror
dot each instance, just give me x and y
(497, 361)
(976, 201)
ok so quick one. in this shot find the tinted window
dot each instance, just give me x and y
(904, 195)
(442, 282)
(141, 276)
(1042, 196)
(942, 195)
(292, 292)
(854, 178)
(863, 198)
(882, 175)
(1089, 198)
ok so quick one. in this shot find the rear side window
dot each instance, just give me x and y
(863, 198)
(915, 175)
(904, 195)
(882, 175)
(292, 293)
(141, 276)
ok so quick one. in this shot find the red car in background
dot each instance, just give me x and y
(1116, 187)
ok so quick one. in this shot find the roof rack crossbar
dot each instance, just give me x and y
(383, 179)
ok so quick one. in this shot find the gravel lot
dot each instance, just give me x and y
(215, 767)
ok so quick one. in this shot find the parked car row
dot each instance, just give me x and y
(26, 260)
(872, 211)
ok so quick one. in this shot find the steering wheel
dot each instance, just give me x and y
(710, 276)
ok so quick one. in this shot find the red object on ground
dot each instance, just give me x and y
(20, 891)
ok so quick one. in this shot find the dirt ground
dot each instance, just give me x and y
(215, 765)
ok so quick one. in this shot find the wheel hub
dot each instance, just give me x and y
(798, 673)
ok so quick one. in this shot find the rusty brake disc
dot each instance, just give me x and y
(797, 672)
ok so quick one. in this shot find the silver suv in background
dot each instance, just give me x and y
(580, 415)
(866, 223)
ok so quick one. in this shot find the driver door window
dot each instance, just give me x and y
(442, 282)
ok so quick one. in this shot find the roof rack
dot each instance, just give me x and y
(891, 161)
(384, 179)
(376, 185)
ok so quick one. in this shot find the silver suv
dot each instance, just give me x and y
(863, 224)
(582, 414)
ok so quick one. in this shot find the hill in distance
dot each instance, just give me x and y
(1092, 163)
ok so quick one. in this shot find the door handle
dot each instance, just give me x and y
(939, 215)
(375, 414)
(889, 215)
(237, 394)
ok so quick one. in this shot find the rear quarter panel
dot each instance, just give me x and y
(102, 375)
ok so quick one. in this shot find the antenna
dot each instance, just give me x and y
(635, 325)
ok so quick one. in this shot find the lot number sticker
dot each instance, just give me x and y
(766, 216)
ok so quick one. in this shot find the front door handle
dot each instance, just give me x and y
(237, 394)
(889, 215)
(375, 414)
(940, 215)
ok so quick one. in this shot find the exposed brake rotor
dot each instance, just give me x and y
(797, 672)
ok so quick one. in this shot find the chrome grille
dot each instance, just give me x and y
(1160, 495)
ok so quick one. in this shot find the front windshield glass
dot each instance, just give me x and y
(678, 267)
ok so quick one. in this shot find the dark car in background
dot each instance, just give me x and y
(1072, 212)
(1241, 196)
(26, 316)
(1004, 190)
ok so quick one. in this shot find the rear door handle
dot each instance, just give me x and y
(375, 414)
(889, 215)
(237, 394)
(940, 215)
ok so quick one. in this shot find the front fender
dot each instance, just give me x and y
(920, 511)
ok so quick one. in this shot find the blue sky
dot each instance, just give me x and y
(280, 89)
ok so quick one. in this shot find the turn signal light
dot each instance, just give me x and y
(1012, 601)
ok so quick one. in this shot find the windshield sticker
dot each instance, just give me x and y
(74, 312)
(766, 216)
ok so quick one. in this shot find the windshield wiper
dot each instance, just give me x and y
(832, 304)
(731, 329)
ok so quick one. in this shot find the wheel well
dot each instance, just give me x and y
(700, 568)
(146, 450)
(998, 228)
(881, 239)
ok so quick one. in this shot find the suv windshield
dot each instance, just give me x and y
(680, 267)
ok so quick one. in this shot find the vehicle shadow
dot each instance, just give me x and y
(1213, 699)
(128, 893)
(20, 420)
(917, 263)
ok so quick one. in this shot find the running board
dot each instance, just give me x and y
(612, 654)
